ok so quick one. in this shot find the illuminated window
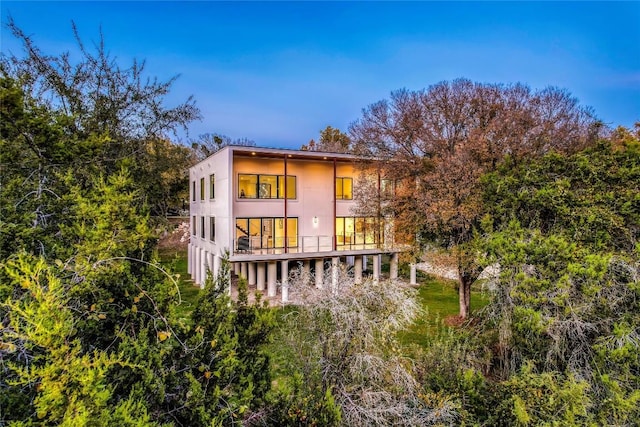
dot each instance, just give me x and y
(251, 186)
(344, 188)
(359, 231)
(265, 233)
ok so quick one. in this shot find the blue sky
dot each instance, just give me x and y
(279, 72)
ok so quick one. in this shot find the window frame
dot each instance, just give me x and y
(340, 180)
(212, 228)
(261, 190)
(212, 186)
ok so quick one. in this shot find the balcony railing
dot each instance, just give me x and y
(256, 245)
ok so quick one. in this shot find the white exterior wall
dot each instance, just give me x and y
(314, 205)
(218, 207)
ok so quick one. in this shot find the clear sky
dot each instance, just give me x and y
(279, 72)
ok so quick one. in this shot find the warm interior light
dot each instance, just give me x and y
(253, 153)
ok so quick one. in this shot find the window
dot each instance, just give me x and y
(265, 233)
(344, 188)
(193, 191)
(251, 186)
(212, 228)
(202, 227)
(212, 186)
(193, 225)
(202, 188)
(387, 188)
(359, 231)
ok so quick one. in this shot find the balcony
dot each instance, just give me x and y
(255, 245)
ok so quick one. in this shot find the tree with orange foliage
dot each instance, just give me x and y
(436, 143)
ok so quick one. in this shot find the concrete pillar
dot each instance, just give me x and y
(200, 267)
(364, 263)
(272, 278)
(216, 264)
(261, 276)
(243, 270)
(335, 265)
(236, 268)
(412, 277)
(376, 268)
(205, 267)
(189, 258)
(251, 278)
(357, 269)
(393, 266)
(319, 272)
(306, 271)
(284, 279)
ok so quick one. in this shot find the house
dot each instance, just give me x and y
(274, 210)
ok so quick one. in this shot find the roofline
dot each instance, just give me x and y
(251, 151)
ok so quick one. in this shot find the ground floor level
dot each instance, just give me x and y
(272, 274)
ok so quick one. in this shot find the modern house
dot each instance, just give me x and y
(274, 210)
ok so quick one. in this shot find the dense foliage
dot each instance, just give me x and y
(89, 335)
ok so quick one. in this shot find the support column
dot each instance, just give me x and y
(284, 279)
(204, 265)
(272, 277)
(376, 268)
(357, 269)
(251, 278)
(243, 270)
(261, 276)
(412, 277)
(335, 265)
(216, 264)
(393, 266)
(189, 258)
(236, 268)
(319, 273)
(364, 263)
(306, 271)
(199, 267)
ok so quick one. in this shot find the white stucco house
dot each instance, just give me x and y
(274, 210)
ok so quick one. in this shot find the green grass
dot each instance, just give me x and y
(176, 261)
(439, 299)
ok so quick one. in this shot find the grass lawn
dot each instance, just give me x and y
(439, 298)
(176, 260)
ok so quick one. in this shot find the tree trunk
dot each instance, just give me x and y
(464, 296)
(464, 289)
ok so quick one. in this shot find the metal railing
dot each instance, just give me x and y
(256, 245)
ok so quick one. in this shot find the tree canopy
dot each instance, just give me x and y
(436, 144)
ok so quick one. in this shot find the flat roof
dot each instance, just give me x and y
(281, 153)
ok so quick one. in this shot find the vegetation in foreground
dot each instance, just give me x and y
(90, 334)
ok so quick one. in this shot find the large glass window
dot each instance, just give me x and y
(212, 228)
(212, 186)
(202, 227)
(193, 191)
(344, 188)
(193, 225)
(251, 186)
(202, 188)
(265, 233)
(358, 231)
